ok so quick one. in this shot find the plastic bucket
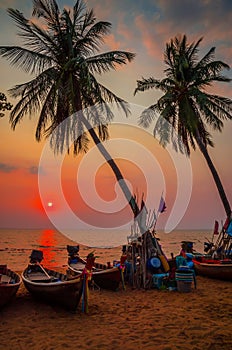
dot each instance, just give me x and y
(153, 263)
(183, 276)
(184, 280)
(184, 286)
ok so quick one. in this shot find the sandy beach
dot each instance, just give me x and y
(126, 319)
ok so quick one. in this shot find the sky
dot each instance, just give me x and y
(92, 199)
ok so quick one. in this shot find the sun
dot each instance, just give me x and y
(50, 204)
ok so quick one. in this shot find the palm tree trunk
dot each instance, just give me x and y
(217, 180)
(125, 189)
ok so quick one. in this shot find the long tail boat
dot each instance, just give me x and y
(103, 276)
(52, 286)
(213, 268)
(9, 284)
(219, 265)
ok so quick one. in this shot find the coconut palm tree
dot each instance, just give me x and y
(185, 107)
(61, 51)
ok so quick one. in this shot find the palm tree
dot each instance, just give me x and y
(186, 108)
(61, 51)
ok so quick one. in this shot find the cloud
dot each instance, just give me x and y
(7, 168)
(208, 18)
(150, 40)
(33, 170)
(8, 3)
(112, 43)
(36, 170)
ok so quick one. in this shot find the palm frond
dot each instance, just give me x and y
(48, 10)
(32, 95)
(59, 48)
(95, 35)
(192, 51)
(78, 12)
(105, 62)
(88, 20)
(147, 116)
(146, 84)
(29, 61)
(206, 59)
(34, 37)
(120, 103)
(81, 144)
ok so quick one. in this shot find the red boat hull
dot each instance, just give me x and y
(214, 268)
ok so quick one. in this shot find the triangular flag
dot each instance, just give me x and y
(142, 216)
(226, 224)
(162, 205)
(216, 225)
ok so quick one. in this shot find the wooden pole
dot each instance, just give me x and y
(144, 259)
(45, 272)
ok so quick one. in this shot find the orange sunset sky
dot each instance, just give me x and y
(142, 27)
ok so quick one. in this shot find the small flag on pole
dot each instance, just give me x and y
(216, 225)
(162, 205)
(226, 224)
(142, 216)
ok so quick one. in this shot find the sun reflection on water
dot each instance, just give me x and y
(48, 242)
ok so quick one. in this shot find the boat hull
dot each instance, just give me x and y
(9, 285)
(108, 278)
(60, 290)
(217, 270)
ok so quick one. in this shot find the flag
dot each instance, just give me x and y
(162, 205)
(229, 229)
(142, 216)
(226, 224)
(216, 225)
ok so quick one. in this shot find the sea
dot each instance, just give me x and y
(16, 245)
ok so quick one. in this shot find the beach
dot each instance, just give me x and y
(120, 320)
(125, 319)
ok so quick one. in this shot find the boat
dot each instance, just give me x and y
(52, 286)
(9, 284)
(222, 248)
(218, 263)
(103, 276)
(213, 268)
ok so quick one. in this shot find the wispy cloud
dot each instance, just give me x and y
(7, 168)
(33, 170)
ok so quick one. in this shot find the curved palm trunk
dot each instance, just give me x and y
(125, 189)
(133, 204)
(217, 180)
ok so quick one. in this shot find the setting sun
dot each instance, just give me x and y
(50, 204)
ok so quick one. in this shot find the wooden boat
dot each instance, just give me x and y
(103, 276)
(52, 286)
(219, 264)
(9, 284)
(219, 269)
